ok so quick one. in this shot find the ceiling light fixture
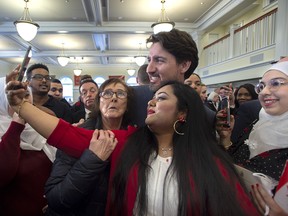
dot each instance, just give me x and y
(139, 59)
(63, 60)
(163, 24)
(26, 28)
(131, 72)
(77, 71)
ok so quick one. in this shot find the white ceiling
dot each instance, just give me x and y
(104, 32)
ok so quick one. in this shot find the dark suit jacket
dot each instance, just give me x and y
(246, 114)
(78, 111)
(211, 116)
(142, 96)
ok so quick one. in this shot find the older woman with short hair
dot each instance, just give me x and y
(68, 190)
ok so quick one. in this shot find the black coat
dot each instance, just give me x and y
(246, 114)
(78, 186)
(60, 109)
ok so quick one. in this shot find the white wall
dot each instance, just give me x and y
(245, 67)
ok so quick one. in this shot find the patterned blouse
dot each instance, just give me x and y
(270, 163)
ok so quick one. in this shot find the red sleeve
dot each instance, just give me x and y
(73, 140)
(10, 152)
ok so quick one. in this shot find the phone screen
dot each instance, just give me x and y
(24, 64)
(224, 105)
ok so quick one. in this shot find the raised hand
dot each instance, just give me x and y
(103, 143)
(12, 75)
(81, 121)
(16, 92)
(223, 131)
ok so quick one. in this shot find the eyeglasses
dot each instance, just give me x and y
(40, 77)
(107, 94)
(273, 85)
(55, 89)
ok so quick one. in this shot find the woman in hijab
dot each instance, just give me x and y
(265, 148)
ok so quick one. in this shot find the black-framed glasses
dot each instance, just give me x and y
(273, 85)
(40, 77)
(107, 94)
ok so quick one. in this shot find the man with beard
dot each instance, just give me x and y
(39, 82)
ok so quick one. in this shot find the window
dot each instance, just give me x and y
(67, 88)
(269, 3)
(132, 81)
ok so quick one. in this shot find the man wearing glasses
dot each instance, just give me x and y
(39, 82)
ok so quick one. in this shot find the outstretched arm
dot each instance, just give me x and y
(42, 122)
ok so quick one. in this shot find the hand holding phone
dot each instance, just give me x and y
(225, 106)
(23, 67)
(24, 64)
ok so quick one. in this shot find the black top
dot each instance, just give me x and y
(60, 109)
(78, 187)
(63, 100)
(78, 111)
(246, 114)
(142, 96)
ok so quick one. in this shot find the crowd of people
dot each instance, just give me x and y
(159, 148)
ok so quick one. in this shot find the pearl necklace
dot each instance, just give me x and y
(166, 150)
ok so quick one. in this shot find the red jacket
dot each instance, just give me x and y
(23, 176)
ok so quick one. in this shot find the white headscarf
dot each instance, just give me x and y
(270, 132)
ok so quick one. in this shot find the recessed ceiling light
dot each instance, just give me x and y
(186, 19)
(62, 32)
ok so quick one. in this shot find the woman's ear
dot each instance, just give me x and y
(182, 115)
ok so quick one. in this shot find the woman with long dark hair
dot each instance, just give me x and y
(176, 162)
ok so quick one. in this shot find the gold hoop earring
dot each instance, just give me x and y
(174, 126)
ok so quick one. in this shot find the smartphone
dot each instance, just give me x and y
(24, 64)
(224, 105)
